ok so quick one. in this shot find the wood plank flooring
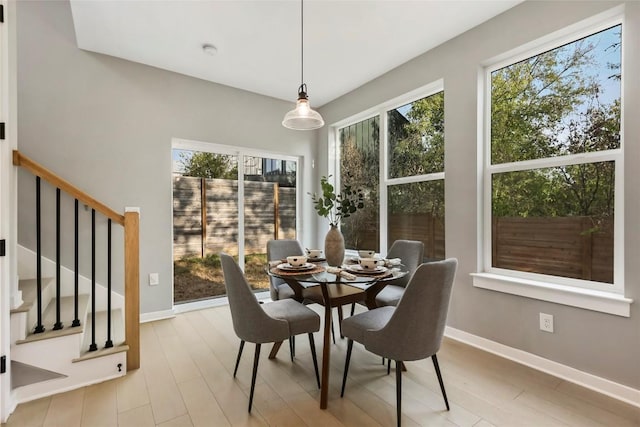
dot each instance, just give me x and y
(186, 379)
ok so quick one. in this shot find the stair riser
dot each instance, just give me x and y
(52, 354)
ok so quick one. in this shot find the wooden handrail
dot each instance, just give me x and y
(38, 170)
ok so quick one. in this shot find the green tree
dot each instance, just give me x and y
(548, 106)
(209, 165)
(416, 147)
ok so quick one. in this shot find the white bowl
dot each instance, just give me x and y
(297, 260)
(314, 253)
(366, 254)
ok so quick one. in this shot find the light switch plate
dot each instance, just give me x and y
(154, 279)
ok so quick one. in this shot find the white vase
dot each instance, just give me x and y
(334, 247)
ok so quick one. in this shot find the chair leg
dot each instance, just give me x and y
(398, 391)
(340, 320)
(312, 344)
(389, 366)
(292, 346)
(333, 334)
(437, 367)
(256, 358)
(353, 308)
(235, 370)
(346, 366)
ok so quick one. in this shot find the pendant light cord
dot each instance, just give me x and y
(301, 42)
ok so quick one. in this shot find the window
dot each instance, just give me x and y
(416, 173)
(404, 139)
(360, 168)
(553, 165)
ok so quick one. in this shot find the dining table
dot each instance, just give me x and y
(333, 287)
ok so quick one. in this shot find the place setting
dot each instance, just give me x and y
(367, 263)
(296, 264)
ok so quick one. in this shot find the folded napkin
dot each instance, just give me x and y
(392, 262)
(340, 272)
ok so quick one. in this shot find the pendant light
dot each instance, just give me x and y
(302, 117)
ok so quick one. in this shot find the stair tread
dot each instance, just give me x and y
(87, 355)
(50, 333)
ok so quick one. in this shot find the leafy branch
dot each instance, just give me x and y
(337, 206)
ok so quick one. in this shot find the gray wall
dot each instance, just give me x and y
(601, 344)
(106, 125)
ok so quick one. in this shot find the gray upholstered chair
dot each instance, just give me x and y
(411, 252)
(264, 323)
(280, 249)
(413, 329)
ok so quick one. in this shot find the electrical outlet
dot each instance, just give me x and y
(154, 279)
(546, 322)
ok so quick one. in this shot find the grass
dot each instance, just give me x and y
(196, 278)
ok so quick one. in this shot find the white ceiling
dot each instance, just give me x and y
(346, 43)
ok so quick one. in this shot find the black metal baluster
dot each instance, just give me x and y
(39, 328)
(58, 324)
(76, 320)
(109, 343)
(93, 346)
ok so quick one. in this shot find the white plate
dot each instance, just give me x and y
(289, 267)
(357, 268)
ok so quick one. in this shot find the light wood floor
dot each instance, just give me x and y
(186, 380)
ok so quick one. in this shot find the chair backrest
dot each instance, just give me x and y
(280, 249)
(411, 252)
(417, 325)
(250, 322)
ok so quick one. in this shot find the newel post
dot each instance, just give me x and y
(132, 285)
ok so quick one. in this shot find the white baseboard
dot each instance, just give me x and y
(192, 306)
(156, 315)
(212, 302)
(601, 385)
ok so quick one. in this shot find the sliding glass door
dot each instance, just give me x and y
(228, 200)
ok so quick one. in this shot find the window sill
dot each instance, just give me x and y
(588, 299)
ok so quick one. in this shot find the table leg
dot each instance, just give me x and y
(274, 350)
(326, 348)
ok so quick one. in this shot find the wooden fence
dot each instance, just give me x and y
(564, 246)
(567, 246)
(205, 215)
(205, 221)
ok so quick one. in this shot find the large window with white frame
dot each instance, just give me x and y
(395, 152)
(553, 163)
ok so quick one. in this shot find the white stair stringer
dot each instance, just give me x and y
(64, 351)
(58, 355)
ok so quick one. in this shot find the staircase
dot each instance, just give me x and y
(71, 331)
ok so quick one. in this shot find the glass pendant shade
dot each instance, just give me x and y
(302, 117)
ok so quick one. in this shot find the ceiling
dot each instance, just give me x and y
(346, 42)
